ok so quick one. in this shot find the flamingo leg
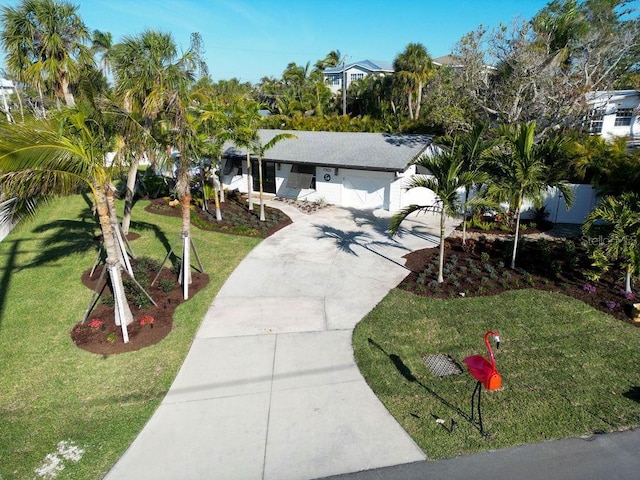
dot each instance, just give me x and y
(472, 400)
(477, 390)
(479, 410)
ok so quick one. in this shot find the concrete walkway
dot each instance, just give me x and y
(270, 389)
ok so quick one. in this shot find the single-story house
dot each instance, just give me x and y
(350, 169)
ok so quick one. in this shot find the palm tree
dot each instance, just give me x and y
(447, 178)
(44, 41)
(413, 68)
(619, 219)
(146, 67)
(38, 162)
(472, 148)
(260, 150)
(518, 172)
(102, 43)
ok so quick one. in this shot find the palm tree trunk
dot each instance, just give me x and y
(418, 100)
(220, 179)
(123, 314)
(215, 197)
(262, 217)
(19, 97)
(627, 280)
(120, 249)
(441, 257)
(128, 196)
(249, 181)
(515, 239)
(68, 96)
(185, 270)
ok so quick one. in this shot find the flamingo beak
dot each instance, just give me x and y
(497, 339)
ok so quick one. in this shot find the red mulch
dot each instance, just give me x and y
(107, 339)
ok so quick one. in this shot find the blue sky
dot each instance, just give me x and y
(249, 39)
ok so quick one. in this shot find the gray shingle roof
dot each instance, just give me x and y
(365, 151)
(369, 65)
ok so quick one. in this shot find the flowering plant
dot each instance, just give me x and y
(587, 287)
(95, 323)
(612, 305)
(628, 295)
(147, 319)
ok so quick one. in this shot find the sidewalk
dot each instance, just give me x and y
(270, 389)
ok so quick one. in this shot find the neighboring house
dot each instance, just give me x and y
(614, 114)
(335, 76)
(350, 169)
(450, 61)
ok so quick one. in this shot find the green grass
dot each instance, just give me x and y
(567, 369)
(52, 391)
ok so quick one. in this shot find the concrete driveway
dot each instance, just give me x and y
(270, 389)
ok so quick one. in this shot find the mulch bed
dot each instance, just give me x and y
(236, 218)
(481, 267)
(107, 339)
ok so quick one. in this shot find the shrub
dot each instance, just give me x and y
(166, 285)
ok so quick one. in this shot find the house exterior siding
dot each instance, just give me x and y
(614, 114)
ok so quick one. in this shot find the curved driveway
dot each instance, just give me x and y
(270, 389)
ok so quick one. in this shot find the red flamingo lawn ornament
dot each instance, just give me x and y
(485, 372)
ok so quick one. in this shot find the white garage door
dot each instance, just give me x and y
(363, 192)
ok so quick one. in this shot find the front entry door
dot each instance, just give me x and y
(268, 176)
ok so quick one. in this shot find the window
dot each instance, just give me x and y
(335, 80)
(594, 119)
(302, 177)
(623, 117)
(357, 76)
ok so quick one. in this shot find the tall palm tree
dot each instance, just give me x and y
(44, 41)
(260, 150)
(519, 172)
(446, 180)
(38, 162)
(144, 67)
(619, 218)
(102, 44)
(413, 68)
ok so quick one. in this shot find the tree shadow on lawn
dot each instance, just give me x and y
(5, 278)
(406, 372)
(633, 394)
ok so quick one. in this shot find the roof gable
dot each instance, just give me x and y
(373, 66)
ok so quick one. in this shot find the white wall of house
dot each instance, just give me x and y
(334, 81)
(615, 114)
(585, 199)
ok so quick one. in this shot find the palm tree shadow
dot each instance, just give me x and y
(381, 226)
(62, 237)
(347, 240)
(633, 394)
(157, 231)
(5, 279)
(406, 372)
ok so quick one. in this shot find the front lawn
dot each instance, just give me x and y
(55, 398)
(567, 369)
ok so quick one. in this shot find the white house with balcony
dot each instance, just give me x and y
(335, 77)
(615, 114)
